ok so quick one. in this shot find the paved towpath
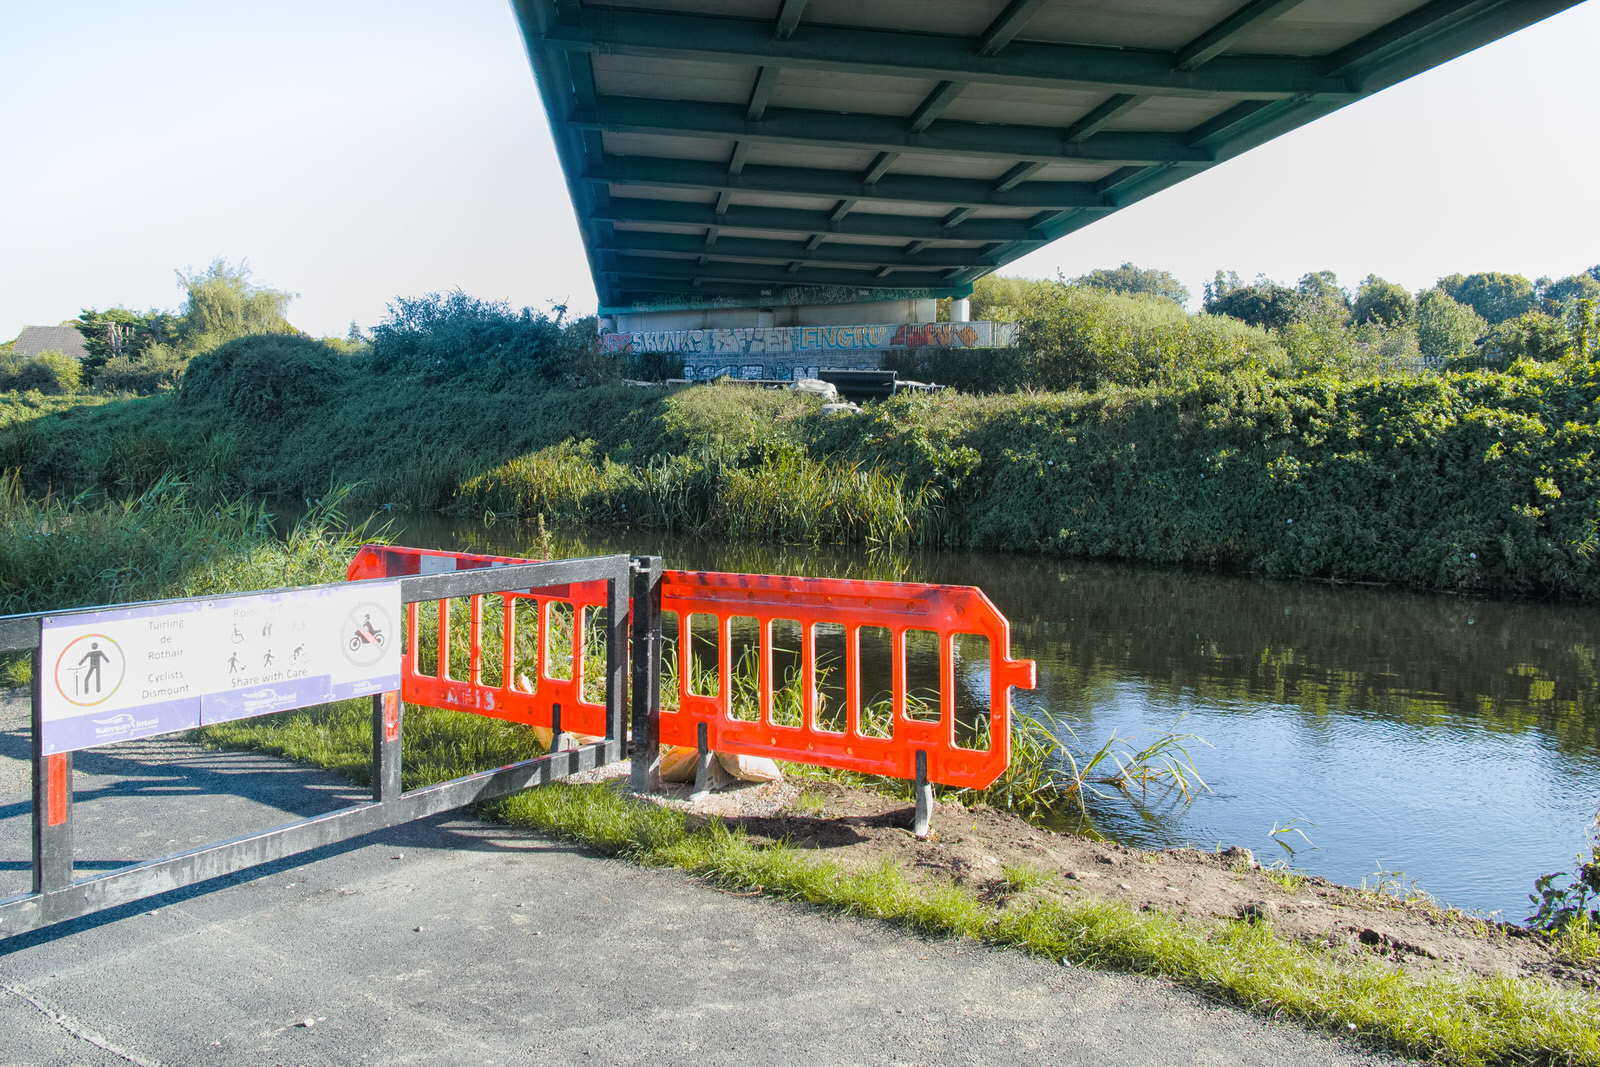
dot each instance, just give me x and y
(450, 941)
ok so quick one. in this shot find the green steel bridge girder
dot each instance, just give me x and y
(840, 185)
(924, 55)
(945, 198)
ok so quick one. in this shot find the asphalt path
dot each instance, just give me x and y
(451, 941)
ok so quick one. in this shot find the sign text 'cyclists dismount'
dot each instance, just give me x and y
(122, 673)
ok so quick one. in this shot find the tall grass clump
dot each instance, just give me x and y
(566, 482)
(166, 542)
(795, 499)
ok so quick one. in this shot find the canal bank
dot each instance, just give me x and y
(1449, 743)
(455, 941)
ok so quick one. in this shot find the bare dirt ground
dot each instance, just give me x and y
(975, 847)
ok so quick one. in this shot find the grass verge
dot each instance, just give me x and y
(1468, 1021)
(1464, 1021)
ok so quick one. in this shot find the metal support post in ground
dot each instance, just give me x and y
(52, 804)
(386, 712)
(708, 773)
(924, 794)
(645, 650)
(558, 736)
(617, 593)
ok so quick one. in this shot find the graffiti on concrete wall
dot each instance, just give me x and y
(755, 341)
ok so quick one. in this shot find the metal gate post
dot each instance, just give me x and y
(616, 660)
(386, 714)
(52, 803)
(645, 776)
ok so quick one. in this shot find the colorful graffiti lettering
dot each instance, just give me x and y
(846, 337)
(756, 341)
(936, 335)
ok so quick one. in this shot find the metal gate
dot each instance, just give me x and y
(57, 895)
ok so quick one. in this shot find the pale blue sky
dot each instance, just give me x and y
(355, 150)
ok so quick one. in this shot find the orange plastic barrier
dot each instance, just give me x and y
(526, 676)
(860, 734)
(814, 670)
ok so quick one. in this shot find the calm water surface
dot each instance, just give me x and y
(1453, 740)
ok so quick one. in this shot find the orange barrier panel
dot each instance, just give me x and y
(859, 675)
(510, 669)
(822, 702)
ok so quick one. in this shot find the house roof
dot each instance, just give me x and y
(36, 339)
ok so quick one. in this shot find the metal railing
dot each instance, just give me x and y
(804, 695)
(57, 895)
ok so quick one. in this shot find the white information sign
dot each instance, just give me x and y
(132, 672)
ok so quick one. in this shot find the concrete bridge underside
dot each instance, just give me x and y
(771, 164)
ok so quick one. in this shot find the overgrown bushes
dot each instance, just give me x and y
(439, 337)
(1087, 338)
(267, 376)
(1478, 481)
(50, 373)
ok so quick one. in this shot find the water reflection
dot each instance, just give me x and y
(1452, 739)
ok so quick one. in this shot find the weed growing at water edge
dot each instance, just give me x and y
(1279, 872)
(1556, 907)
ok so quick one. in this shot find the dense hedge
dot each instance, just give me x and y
(1477, 481)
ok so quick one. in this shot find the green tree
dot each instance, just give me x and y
(223, 305)
(1382, 303)
(1134, 281)
(1496, 297)
(1445, 328)
(1261, 303)
(120, 332)
(1001, 298)
(1557, 295)
(1531, 335)
(1321, 296)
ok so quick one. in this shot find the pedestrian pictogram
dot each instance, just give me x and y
(89, 670)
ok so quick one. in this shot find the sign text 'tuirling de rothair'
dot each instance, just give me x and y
(121, 673)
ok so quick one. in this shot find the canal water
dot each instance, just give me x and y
(1441, 743)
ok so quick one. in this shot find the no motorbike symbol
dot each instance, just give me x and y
(367, 628)
(89, 670)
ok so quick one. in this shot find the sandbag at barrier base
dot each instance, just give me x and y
(544, 735)
(678, 765)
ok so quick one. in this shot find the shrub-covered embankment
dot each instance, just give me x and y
(1477, 481)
